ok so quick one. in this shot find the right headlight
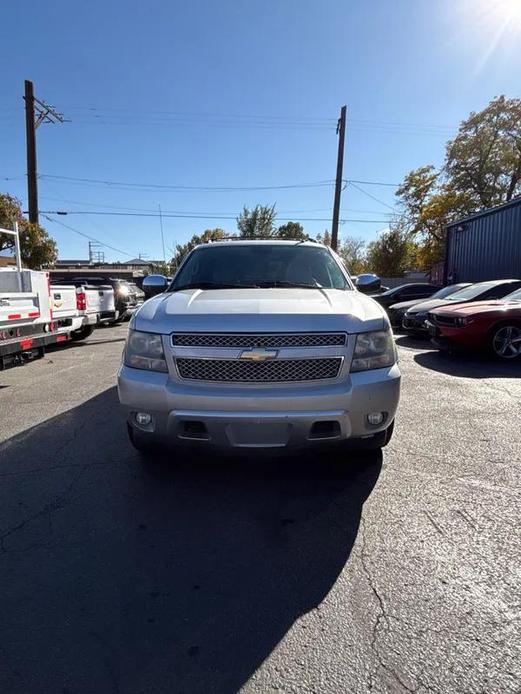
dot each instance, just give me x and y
(145, 351)
(374, 350)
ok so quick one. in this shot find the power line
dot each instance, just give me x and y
(202, 216)
(370, 195)
(91, 238)
(124, 208)
(206, 189)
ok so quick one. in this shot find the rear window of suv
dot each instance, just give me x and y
(260, 265)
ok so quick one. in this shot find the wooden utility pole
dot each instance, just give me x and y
(341, 132)
(30, 133)
(36, 113)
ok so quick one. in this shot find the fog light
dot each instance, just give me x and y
(376, 418)
(143, 418)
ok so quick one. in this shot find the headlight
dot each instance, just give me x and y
(145, 351)
(373, 351)
(124, 291)
(462, 322)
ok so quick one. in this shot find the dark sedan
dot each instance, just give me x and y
(396, 312)
(414, 319)
(405, 292)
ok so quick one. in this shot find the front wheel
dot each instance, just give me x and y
(374, 443)
(505, 341)
(82, 333)
(142, 442)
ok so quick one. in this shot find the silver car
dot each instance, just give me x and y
(259, 344)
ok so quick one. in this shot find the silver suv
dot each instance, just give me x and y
(259, 344)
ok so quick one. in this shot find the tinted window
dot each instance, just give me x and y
(261, 265)
(473, 291)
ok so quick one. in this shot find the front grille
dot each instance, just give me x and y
(273, 371)
(258, 340)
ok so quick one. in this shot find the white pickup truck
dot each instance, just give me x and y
(34, 313)
(88, 306)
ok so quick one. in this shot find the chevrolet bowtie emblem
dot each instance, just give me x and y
(258, 354)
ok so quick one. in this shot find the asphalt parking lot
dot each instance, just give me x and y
(299, 574)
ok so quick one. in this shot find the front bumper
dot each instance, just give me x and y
(414, 324)
(278, 416)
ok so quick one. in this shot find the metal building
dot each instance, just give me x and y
(485, 246)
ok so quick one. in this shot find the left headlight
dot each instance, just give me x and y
(374, 350)
(145, 351)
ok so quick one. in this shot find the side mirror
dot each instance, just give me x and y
(154, 284)
(368, 284)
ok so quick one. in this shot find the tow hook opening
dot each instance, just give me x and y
(327, 429)
(193, 429)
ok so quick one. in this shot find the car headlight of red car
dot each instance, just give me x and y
(465, 320)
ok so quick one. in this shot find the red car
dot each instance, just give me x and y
(491, 325)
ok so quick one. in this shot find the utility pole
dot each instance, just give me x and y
(36, 113)
(341, 132)
(162, 234)
(30, 133)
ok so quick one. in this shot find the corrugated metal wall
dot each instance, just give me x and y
(486, 246)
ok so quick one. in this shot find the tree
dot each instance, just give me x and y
(482, 169)
(325, 239)
(260, 221)
(181, 250)
(292, 230)
(38, 249)
(352, 252)
(484, 159)
(392, 253)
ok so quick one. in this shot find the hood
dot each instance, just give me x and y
(249, 310)
(403, 305)
(475, 307)
(426, 306)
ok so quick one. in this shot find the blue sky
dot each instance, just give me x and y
(240, 94)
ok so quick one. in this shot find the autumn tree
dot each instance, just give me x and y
(353, 252)
(38, 249)
(482, 169)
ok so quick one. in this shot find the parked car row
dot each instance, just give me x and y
(481, 316)
(37, 310)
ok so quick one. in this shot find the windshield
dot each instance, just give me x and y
(260, 265)
(446, 291)
(472, 292)
(515, 296)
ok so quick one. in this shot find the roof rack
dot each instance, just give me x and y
(258, 238)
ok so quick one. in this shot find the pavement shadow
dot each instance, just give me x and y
(414, 341)
(179, 578)
(467, 365)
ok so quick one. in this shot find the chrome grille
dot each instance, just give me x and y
(258, 340)
(272, 371)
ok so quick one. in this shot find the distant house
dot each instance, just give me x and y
(7, 261)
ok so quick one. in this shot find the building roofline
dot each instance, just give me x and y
(486, 211)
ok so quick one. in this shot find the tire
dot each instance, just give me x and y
(144, 443)
(375, 443)
(82, 334)
(505, 341)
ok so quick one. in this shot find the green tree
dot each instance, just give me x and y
(260, 222)
(181, 250)
(482, 169)
(353, 251)
(392, 253)
(292, 230)
(484, 159)
(38, 249)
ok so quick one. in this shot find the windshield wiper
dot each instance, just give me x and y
(212, 285)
